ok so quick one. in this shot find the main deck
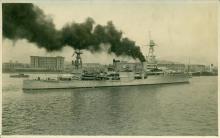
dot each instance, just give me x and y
(71, 84)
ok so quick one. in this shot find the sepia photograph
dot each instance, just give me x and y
(110, 68)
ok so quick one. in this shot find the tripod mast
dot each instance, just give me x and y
(78, 61)
(151, 58)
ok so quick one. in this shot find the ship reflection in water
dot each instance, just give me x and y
(175, 109)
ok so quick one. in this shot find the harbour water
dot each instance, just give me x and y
(174, 109)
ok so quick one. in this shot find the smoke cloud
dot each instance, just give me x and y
(27, 21)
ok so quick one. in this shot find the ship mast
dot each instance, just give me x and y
(151, 58)
(78, 61)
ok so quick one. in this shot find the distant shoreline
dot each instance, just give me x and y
(36, 72)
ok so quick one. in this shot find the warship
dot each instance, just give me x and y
(149, 74)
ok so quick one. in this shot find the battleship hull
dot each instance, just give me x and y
(72, 84)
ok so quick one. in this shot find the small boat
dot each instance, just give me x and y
(19, 76)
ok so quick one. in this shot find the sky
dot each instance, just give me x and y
(184, 32)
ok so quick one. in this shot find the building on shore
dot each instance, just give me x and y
(47, 63)
(68, 67)
(173, 66)
(13, 66)
(197, 68)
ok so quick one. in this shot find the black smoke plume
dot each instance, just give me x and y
(27, 21)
